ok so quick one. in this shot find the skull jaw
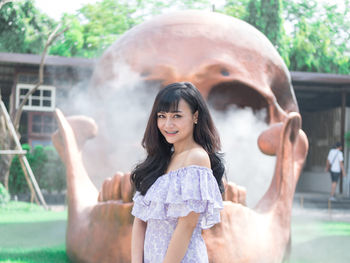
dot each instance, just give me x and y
(263, 234)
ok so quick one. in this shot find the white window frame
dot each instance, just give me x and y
(41, 98)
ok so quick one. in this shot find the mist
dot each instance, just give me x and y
(121, 108)
(246, 165)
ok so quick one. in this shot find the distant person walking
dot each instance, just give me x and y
(335, 166)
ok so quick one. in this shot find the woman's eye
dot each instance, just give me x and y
(161, 116)
(177, 116)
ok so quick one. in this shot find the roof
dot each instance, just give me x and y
(320, 78)
(10, 62)
(16, 58)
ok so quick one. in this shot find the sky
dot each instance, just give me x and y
(55, 8)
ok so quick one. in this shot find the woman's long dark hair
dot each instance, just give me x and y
(159, 151)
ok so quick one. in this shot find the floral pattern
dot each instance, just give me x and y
(174, 195)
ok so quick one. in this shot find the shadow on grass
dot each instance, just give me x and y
(45, 255)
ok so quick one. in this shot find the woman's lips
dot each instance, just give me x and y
(171, 133)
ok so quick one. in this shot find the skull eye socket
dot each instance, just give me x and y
(227, 94)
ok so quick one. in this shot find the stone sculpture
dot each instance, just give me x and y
(230, 62)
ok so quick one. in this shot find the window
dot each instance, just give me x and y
(42, 99)
(43, 124)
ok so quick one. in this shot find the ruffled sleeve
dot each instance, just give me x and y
(176, 194)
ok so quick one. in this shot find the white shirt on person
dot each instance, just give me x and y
(335, 156)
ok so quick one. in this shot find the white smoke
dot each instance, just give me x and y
(239, 130)
(121, 108)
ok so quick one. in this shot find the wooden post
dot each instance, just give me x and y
(15, 152)
(32, 192)
(22, 158)
(342, 130)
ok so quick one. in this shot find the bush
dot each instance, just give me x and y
(47, 167)
(53, 176)
(17, 181)
(4, 195)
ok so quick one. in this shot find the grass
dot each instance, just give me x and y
(32, 235)
(320, 241)
(41, 255)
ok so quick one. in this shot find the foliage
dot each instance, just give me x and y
(266, 15)
(17, 182)
(310, 35)
(72, 42)
(236, 8)
(347, 138)
(23, 28)
(319, 37)
(96, 26)
(4, 195)
(47, 167)
(53, 173)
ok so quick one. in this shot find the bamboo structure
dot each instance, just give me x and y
(28, 173)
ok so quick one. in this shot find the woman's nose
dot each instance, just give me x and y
(168, 122)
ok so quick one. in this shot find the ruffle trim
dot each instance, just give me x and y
(179, 192)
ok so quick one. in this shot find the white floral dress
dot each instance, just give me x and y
(174, 195)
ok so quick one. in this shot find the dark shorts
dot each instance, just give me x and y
(335, 176)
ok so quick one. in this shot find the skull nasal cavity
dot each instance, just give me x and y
(224, 95)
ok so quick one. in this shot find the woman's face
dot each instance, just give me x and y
(177, 126)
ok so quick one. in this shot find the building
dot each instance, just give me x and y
(19, 73)
(324, 101)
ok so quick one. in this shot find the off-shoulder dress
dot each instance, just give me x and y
(173, 195)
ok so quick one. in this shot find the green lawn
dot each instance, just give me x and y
(29, 234)
(315, 241)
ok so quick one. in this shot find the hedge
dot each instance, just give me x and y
(47, 167)
(4, 195)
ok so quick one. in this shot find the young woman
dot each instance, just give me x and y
(178, 185)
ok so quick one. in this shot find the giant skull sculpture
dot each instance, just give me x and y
(230, 62)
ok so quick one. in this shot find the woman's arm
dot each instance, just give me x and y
(181, 238)
(137, 240)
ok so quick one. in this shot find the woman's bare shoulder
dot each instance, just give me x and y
(198, 156)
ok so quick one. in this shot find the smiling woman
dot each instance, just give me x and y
(178, 185)
(178, 124)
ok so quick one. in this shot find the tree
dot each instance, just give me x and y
(266, 15)
(71, 43)
(23, 28)
(319, 37)
(236, 8)
(6, 140)
(96, 26)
